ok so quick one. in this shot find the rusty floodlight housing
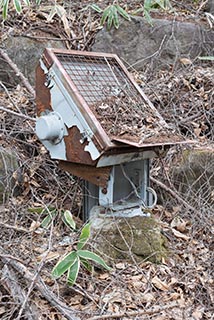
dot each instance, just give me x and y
(92, 114)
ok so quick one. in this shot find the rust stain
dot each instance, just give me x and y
(97, 176)
(75, 149)
(43, 98)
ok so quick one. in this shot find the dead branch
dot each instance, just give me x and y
(18, 72)
(17, 114)
(66, 311)
(173, 193)
(135, 313)
(8, 226)
(10, 283)
(8, 256)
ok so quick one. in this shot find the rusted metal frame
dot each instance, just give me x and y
(102, 139)
(81, 53)
(97, 176)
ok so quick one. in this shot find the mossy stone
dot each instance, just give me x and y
(137, 238)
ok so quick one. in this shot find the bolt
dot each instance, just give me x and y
(104, 190)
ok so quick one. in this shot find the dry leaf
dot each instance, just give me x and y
(179, 224)
(159, 284)
(34, 225)
(120, 266)
(198, 313)
(180, 235)
(50, 256)
(185, 61)
(148, 297)
(2, 310)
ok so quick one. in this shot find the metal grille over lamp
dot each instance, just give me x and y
(99, 124)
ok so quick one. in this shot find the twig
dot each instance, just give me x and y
(9, 96)
(173, 193)
(17, 114)
(34, 279)
(10, 282)
(8, 226)
(65, 310)
(135, 313)
(8, 256)
(18, 72)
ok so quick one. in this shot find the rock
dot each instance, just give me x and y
(25, 53)
(209, 6)
(194, 176)
(159, 46)
(119, 239)
(8, 164)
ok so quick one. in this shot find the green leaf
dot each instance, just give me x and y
(148, 17)
(84, 236)
(73, 272)
(147, 5)
(41, 209)
(88, 255)
(86, 265)
(110, 17)
(17, 5)
(122, 12)
(105, 15)
(27, 2)
(96, 8)
(209, 58)
(63, 265)
(69, 219)
(115, 19)
(5, 9)
(48, 219)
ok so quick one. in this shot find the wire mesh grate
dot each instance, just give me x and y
(98, 78)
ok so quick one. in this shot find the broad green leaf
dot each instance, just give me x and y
(148, 17)
(137, 11)
(5, 9)
(96, 8)
(86, 265)
(210, 58)
(69, 219)
(88, 255)
(147, 5)
(41, 209)
(63, 265)
(110, 17)
(48, 219)
(17, 5)
(27, 2)
(115, 19)
(105, 15)
(84, 236)
(73, 272)
(122, 12)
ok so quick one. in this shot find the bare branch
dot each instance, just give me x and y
(18, 72)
